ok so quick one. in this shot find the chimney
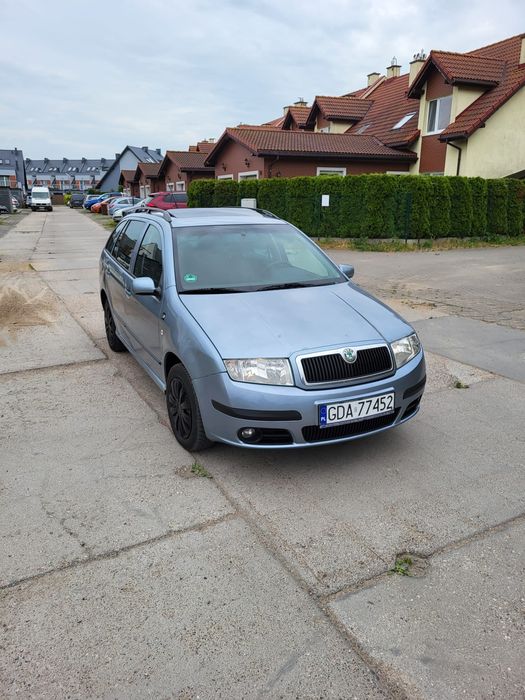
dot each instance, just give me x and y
(285, 110)
(301, 102)
(158, 151)
(117, 156)
(522, 53)
(394, 69)
(145, 148)
(415, 65)
(373, 78)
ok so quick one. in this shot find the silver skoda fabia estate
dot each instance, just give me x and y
(257, 338)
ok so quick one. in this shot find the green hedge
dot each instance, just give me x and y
(379, 206)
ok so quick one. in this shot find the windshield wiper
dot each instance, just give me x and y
(294, 285)
(214, 290)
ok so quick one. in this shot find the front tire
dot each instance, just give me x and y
(183, 411)
(114, 341)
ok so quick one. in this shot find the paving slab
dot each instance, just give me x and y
(207, 614)
(455, 632)
(87, 468)
(342, 513)
(485, 345)
(35, 329)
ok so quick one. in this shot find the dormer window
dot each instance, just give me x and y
(439, 114)
(404, 120)
(362, 129)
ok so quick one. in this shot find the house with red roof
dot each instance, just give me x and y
(452, 114)
(179, 168)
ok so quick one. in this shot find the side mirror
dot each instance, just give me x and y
(347, 270)
(143, 286)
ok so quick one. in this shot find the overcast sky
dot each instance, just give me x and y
(85, 80)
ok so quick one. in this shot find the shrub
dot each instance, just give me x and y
(302, 206)
(225, 193)
(352, 206)
(378, 220)
(478, 187)
(67, 198)
(271, 195)
(247, 189)
(329, 218)
(461, 210)
(440, 206)
(200, 193)
(416, 205)
(497, 223)
(515, 198)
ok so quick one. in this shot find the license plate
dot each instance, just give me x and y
(359, 409)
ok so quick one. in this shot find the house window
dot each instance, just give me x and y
(180, 186)
(170, 186)
(253, 175)
(224, 177)
(404, 120)
(439, 114)
(4, 181)
(331, 171)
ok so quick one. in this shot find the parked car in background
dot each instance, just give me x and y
(89, 200)
(257, 338)
(76, 200)
(129, 210)
(15, 203)
(28, 199)
(3, 209)
(122, 203)
(102, 198)
(41, 199)
(168, 200)
(102, 207)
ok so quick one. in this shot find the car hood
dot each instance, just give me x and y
(279, 323)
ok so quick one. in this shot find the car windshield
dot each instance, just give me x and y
(40, 195)
(248, 257)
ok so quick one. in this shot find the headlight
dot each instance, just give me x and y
(405, 349)
(260, 371)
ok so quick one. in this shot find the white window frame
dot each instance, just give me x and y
(224, 177)
(248, 175)
(170, 186)
(404, 120)
(4, 180)
(438, 100)
(178, 187)
(326, 170)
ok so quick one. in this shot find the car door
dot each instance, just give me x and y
(118, 275)
(144, 311)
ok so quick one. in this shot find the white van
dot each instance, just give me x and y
(41, 199)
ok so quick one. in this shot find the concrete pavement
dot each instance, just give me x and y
(124, 574)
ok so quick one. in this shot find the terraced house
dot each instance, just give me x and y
(66, 174)
(451, 114)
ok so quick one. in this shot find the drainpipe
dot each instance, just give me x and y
(460, 151)
(270, 166)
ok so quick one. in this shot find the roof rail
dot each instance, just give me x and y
(153, 210)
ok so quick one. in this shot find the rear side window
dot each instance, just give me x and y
(149, 257)
(116, 232)
(180, 198)
(126, 242)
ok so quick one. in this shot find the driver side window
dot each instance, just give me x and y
(148, 262)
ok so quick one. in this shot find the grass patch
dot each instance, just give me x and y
(199, 470)
(402, 567)
(459, 385)
(399, 245)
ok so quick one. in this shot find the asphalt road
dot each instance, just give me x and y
(123, 574)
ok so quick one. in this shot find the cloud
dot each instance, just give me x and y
(87, 80)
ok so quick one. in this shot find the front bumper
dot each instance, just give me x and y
(289, 416)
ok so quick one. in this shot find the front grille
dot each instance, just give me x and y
(313, 433)
(332, 368)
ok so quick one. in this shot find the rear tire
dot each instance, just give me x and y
(114, 341)
(183, 411)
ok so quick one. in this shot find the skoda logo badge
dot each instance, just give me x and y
(349, 355)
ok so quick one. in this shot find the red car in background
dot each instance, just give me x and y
(102, 207)
(168, 200)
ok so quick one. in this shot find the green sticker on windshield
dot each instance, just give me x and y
(190, 278)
